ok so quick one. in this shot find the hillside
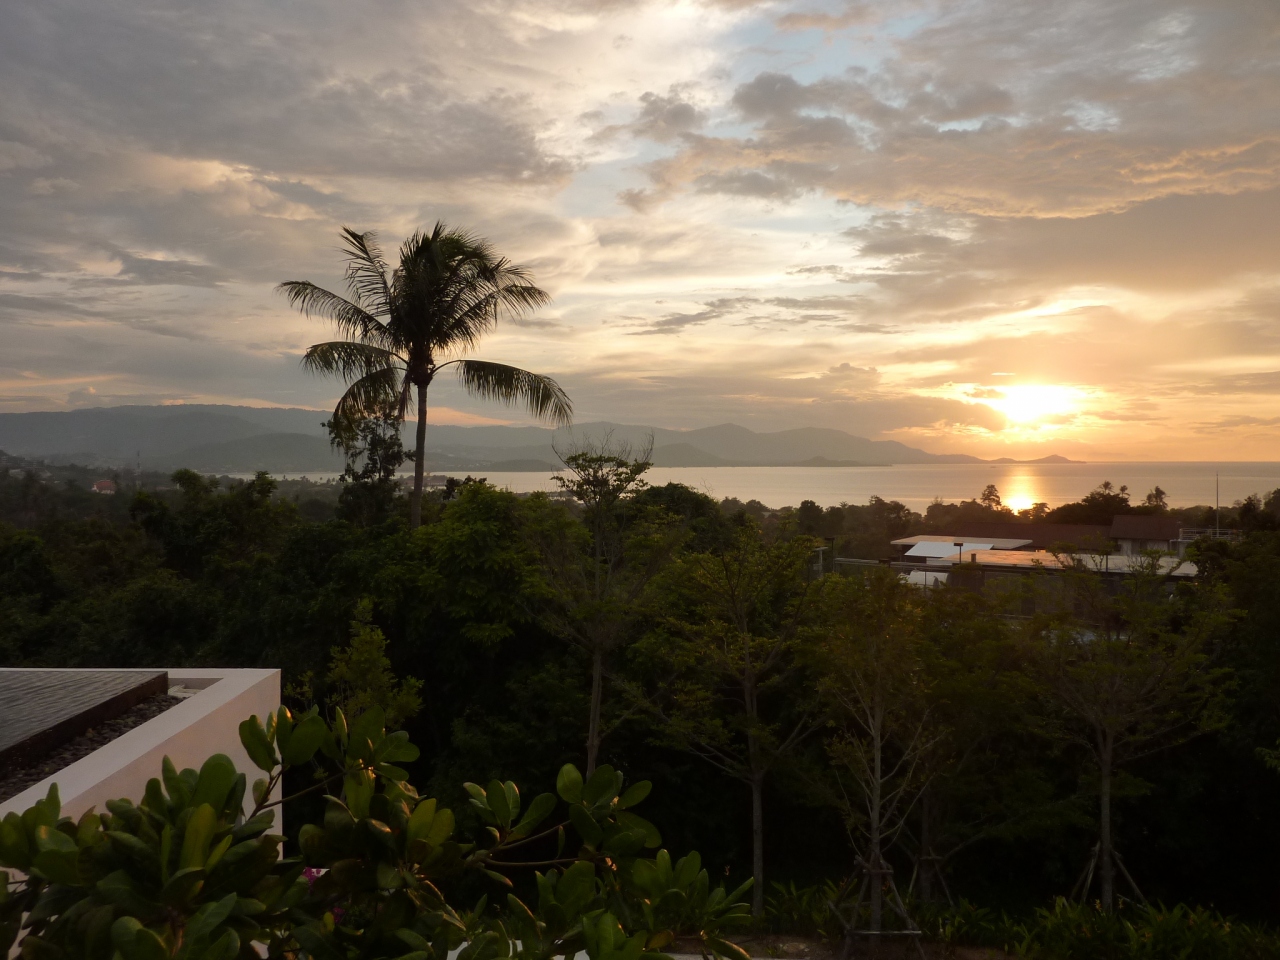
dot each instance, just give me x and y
(232, 439)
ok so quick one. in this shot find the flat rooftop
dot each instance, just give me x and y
(42, 709)
(1033, 559)
(994, 543)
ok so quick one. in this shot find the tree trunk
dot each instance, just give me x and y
(420, 448)
(1106, 858)
(925, 864)
(597, 697)
(873, 819)
(757, 845)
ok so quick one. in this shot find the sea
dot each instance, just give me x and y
(917, 485)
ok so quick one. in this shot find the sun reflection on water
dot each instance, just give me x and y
(1021, 492)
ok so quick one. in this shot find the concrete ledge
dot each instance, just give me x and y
(187, 733)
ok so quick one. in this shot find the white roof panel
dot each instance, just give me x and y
(938, 548)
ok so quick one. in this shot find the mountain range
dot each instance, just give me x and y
(235, 439)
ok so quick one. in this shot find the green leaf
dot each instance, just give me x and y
(441, 828)
(49, 839)
(513, 798)
(624, 843)
(260, 790)
(497, 798)
(569, 784)
(390, 771)
(305, 741)
(256, 743)
(538, 811)
(137, 850)
(284, 727)
(199, 833)
(311, 841)
(218, 853)
(359, 791)
(587, 828)
(602, 782)
(494, 875)
(153, 798)
(630, 821)
(182, 886)
(217, 776)
(687, 868)
(312, 939)
(136, 942)
(412, 939)
(119, 889)
(174, 784)
(15, 848)
(635, 793)
(57, 866)
(396, 748)
(368, 726)
(224, 948)
(723, 948)
(739, 895)
(421, 818)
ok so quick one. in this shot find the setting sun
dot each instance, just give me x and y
(1032, 402)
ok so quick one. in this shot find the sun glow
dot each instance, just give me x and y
(1034, 402)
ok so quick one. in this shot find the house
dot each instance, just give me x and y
(1128, 534)
(105, 486)
(998, 553)
(1135, 533)
(1038, 536)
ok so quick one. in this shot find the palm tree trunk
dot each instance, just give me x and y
(419, 461)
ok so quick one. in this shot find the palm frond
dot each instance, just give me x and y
(453, 288)
(351, 319)
(348, 359)
(541, 395)
(477, 305)
(367, 272)
(372, 395)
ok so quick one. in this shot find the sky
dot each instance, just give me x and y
(1005, 229)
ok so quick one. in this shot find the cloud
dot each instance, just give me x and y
(1074, 109)
(777, 213)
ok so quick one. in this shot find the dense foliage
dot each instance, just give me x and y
(725, 669)
(185, 874)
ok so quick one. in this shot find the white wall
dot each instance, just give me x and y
(187, 733)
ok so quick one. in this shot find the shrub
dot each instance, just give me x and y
(184, 875)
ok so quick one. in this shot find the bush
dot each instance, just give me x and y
(804, 911)
(1075, 931)
(184, 875)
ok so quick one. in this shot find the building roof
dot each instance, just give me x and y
(1040, 536)
(43, 709)
(1113, 563)
(920, 545)
(1137, 526)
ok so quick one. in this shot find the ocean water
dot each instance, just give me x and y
(917, 485)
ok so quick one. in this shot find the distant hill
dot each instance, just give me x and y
(231, 439)
(277, 452)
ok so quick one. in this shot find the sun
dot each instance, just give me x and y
(1033, 402)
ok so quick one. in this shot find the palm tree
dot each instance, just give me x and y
(402, 327)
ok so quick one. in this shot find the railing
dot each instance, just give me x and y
(1209, 533)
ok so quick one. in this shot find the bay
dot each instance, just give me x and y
(916, 485)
